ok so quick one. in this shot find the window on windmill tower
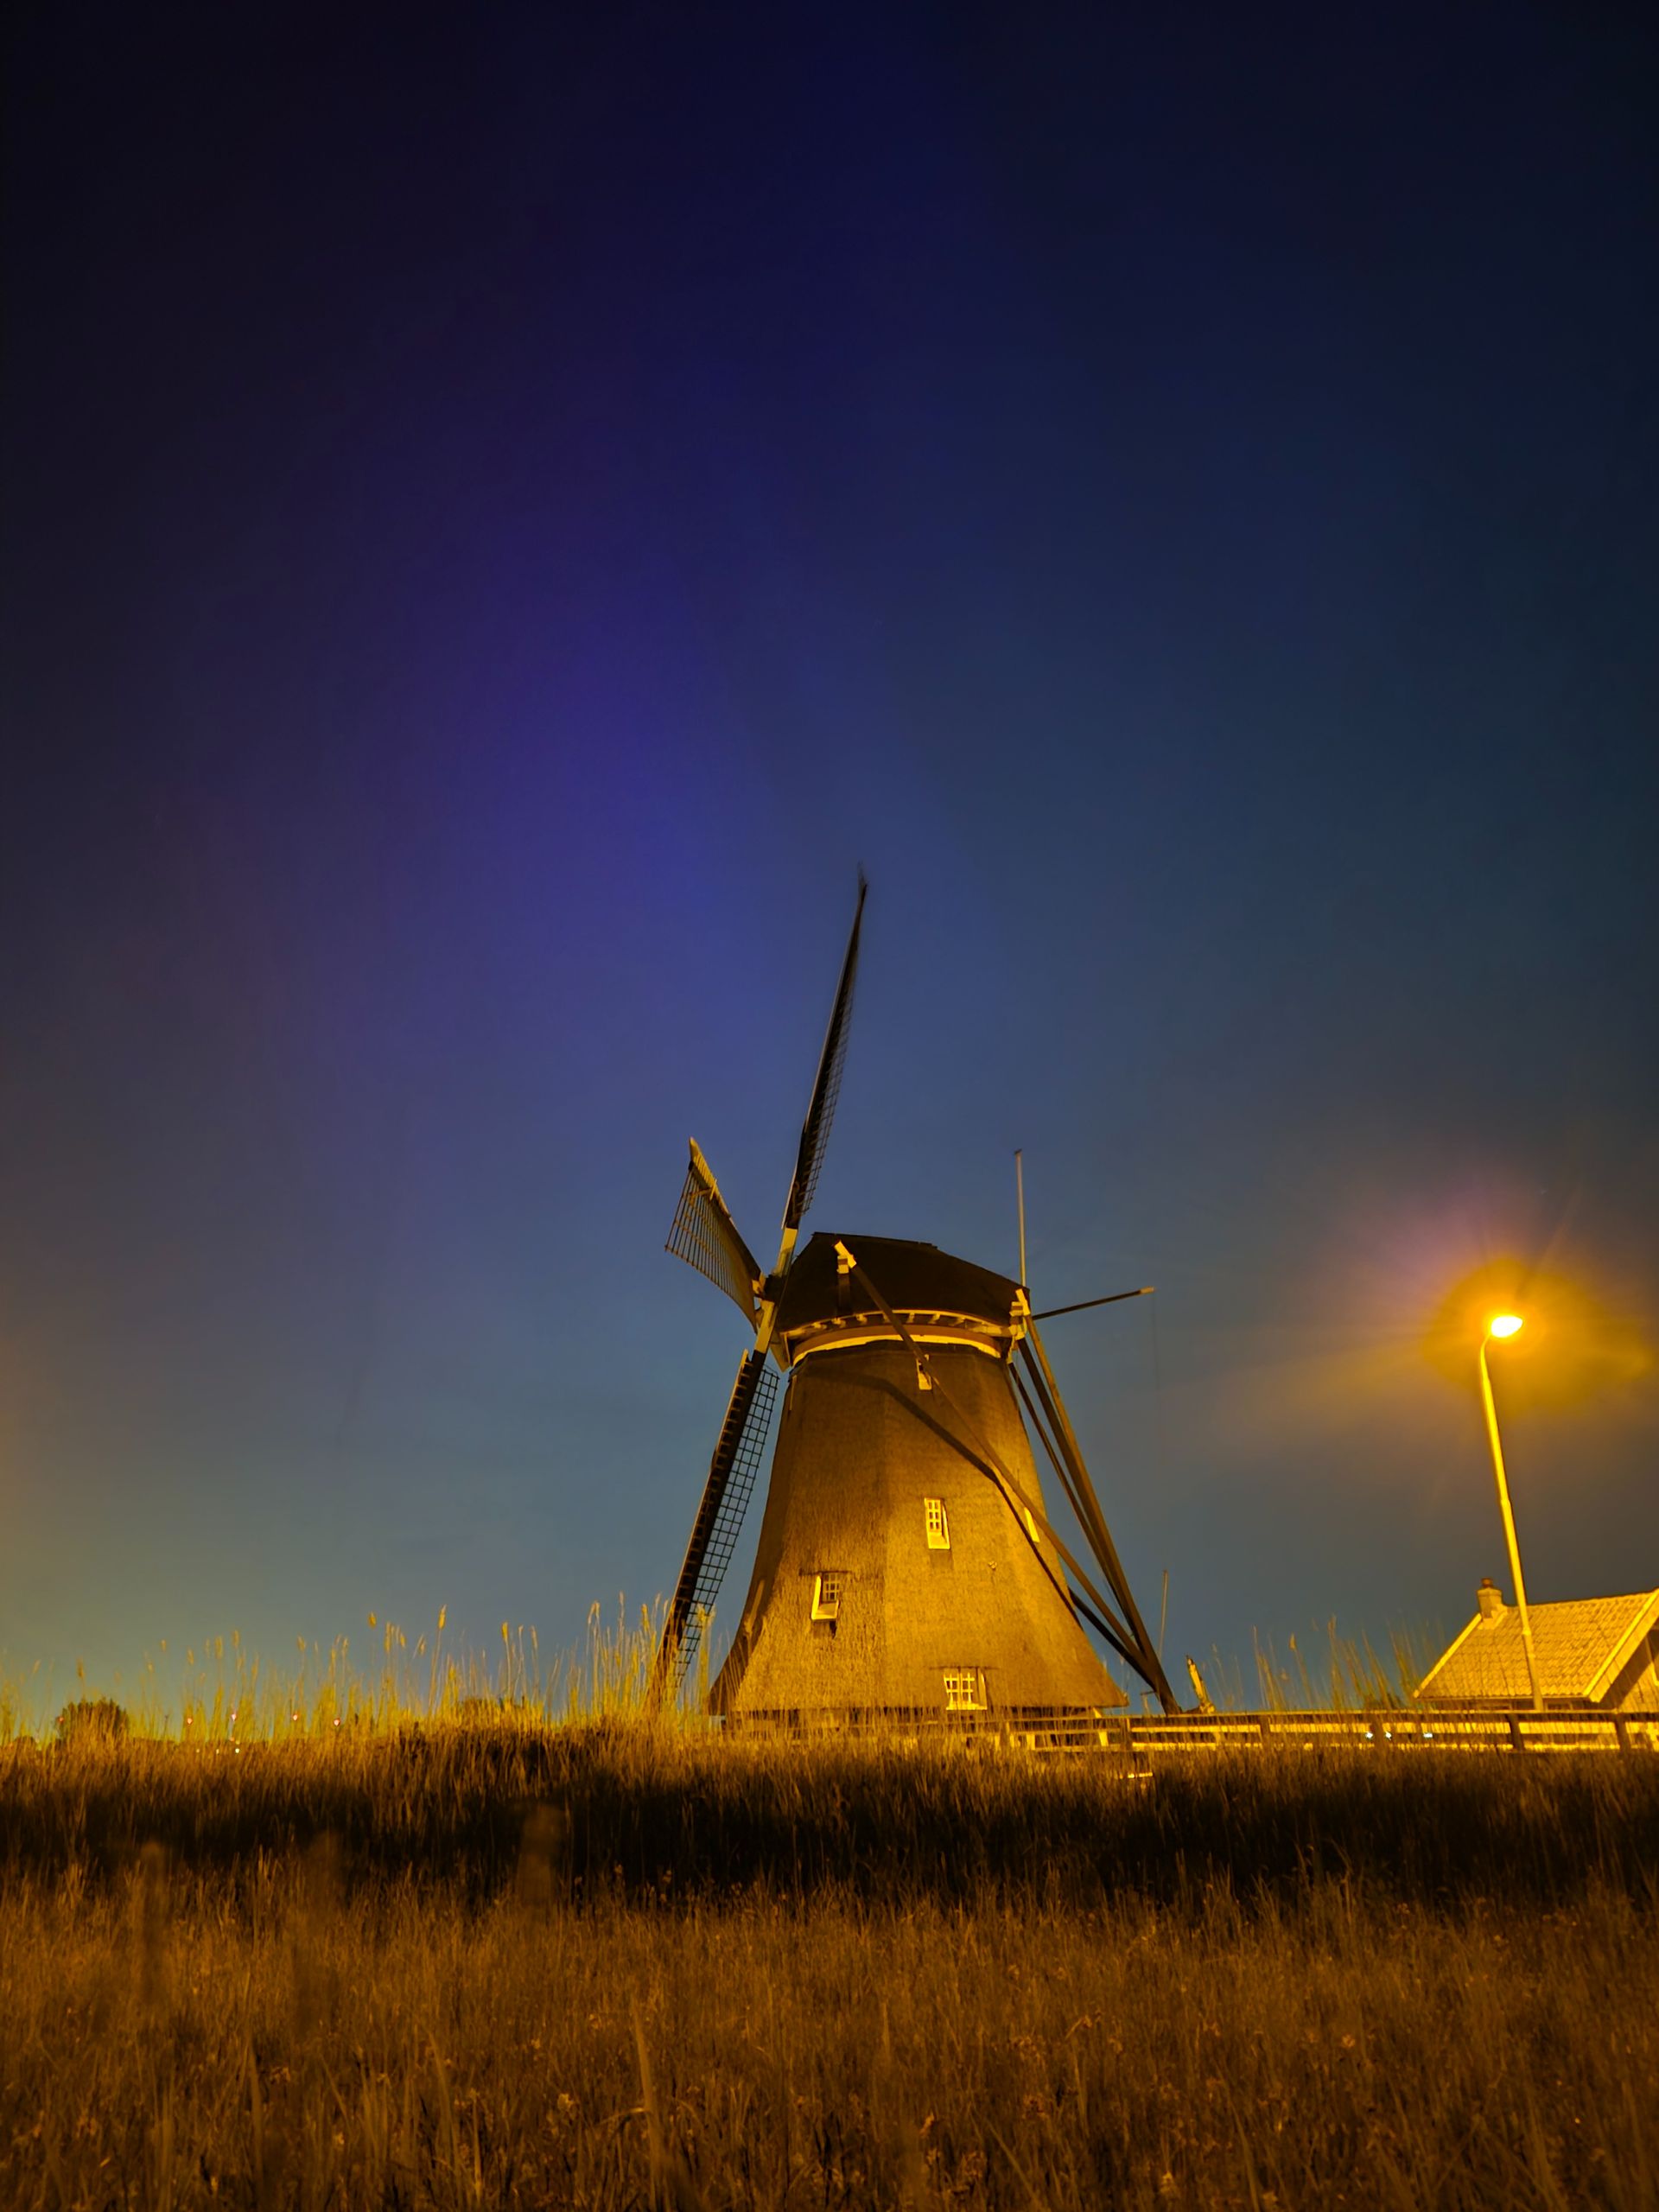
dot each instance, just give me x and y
(964, 1689)
(938, 1528)
(1031, 1525)
(826, 1597)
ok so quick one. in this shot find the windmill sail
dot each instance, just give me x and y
(826, 1089)
(720, 1517)
(705, 1237)
(1085, 1504)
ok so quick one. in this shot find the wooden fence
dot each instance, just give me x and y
(1448, 1728)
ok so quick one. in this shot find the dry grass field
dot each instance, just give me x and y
(482, 1962)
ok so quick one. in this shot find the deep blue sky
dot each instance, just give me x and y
(504, 508)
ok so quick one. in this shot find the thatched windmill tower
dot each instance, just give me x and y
(907, 1566)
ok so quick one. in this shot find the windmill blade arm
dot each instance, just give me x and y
(1115, 1298)
(924, 1373)
(1147, 1662)
(826, 1087)
(1128, 1636)
(1030, 1521)
(1062, 1472)
(705, 1237)
(720, 1517)
(1107, 1634)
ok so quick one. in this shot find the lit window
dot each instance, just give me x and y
(1031, 1526)
(938, 1528)
(963, 1692)
(826, 1597)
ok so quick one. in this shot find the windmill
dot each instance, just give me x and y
(907, 1564)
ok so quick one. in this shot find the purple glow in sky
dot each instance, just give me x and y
(506, 509)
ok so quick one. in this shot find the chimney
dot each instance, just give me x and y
(1490, 1598)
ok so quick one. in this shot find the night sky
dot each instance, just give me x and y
(507, 508)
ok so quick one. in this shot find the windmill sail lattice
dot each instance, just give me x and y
(705, 1237)
(720, 1518)
(826, 1087)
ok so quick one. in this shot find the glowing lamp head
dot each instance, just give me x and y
(1505, 1324)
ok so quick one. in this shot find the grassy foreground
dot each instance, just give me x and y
(609, 1966)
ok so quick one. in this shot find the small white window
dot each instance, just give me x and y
(826, 1597)
(964, 1689)
(938, 1528)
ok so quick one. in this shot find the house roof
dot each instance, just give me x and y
(1580, 1644)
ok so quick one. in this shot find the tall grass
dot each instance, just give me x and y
(481, 1931)
(611, 1967)
(1330, 1672)
(224, 1694)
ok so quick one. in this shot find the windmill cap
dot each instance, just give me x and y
(913, 1278)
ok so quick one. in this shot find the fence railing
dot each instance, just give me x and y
(1426, 1728)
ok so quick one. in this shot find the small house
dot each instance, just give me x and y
(1600, 1653)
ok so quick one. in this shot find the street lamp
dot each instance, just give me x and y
(1501, 1326)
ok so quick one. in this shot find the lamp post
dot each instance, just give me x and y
(1501, 1326)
